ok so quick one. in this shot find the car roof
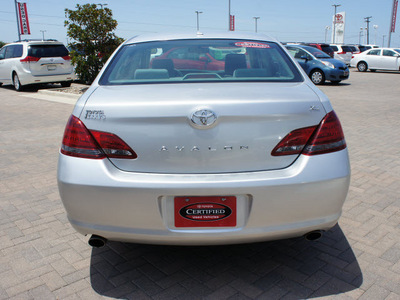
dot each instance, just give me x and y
(208, 35)
(38, 42)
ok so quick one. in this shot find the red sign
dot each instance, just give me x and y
(232, 23)
(394, 14)
(210, 211)
(23, 18)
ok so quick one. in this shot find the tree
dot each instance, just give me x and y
(2, 44)
(93, 41)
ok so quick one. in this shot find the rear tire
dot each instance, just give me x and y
(17, 84)
(317, 77)
(362, 66)
(66, 83)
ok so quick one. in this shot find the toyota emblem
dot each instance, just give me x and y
(203, 118)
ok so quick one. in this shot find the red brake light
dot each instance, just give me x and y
(78, 141)
(30, 59)
(325, 138)
(67, 57)
(294, 142)
(113, 146)
(341, 52)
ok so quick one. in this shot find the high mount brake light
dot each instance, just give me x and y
(325, 138)
(78, 141)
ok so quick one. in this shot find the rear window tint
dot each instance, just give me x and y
(346, 49)
(182, 61)
(47, 50)
(326, 48)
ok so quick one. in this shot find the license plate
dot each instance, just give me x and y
(51, 67)
(207, 211)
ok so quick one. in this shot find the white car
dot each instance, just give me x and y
(377, 59)
(202, 153)
(342, 53)
(34, 62)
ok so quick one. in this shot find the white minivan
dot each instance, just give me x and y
(342, 53)
(34, 62)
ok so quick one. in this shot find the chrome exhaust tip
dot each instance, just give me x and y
(97, 241)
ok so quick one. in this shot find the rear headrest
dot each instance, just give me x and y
(233, 62)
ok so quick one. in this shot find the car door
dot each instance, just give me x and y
(374, 58)
(390, 60)
(301, 56)
(2, 65)
(6, 63)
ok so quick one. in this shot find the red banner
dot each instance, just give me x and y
(23, 19)
(232, 23)
(394, 14)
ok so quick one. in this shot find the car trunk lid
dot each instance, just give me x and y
(163, 125)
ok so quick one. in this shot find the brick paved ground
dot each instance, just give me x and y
(42, 257)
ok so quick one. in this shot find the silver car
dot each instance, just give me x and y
(202, 139)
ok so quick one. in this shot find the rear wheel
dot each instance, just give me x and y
(17, 83)
(66, 83)
(362, 66)
(317, 77)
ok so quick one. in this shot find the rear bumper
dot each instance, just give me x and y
(138, 207)
(27, 78)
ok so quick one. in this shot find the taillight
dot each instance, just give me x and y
(341, 52)
(67, 57)
(30, 59)
(325, 138)
(294, 142)
(112, 145)
(78, 141)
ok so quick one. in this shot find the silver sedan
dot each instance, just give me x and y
(202, 139)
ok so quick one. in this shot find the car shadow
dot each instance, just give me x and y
(293, 268)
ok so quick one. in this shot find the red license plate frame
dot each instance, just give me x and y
(205, 211)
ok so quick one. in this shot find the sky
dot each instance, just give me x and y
(286, 20)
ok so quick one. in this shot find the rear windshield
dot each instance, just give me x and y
(199, 61)
(346, 49)
(47, 50)
(326, 48)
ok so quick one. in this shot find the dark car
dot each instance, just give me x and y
(318, 65)
(323, 47)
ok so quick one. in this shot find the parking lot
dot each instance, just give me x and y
(42, 257)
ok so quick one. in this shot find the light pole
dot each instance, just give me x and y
(255, 20)
(198, 12)
(360, 35)
(334, 23)
(376, 31)
(383, 40)
(367, 20)
(229, 15)
(327, 28)
(42, 31)
(102, 4)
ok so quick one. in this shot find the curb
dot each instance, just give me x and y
(60, 94)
